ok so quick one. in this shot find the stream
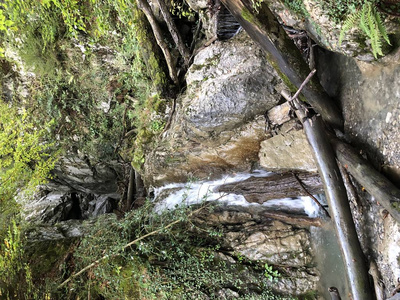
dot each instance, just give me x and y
(325, 249)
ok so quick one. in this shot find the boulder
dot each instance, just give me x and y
(218, 123)
(287, 151)
(79, 191)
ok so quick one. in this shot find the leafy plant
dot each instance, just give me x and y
(369, 21)
(297, 6)
(166, 262)
(15, 274)
(26, 157)
(271, 274)
(180, 8)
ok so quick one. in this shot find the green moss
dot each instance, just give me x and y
(396, 205)
(143, 34)
(248, 16)
(297, 6)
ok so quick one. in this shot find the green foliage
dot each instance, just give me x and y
(26, 157)
(338, 10)
(256, 4)
(179, 262)
(367, 19)
(271, 274)
(15, 273)
(297, 6)
(180, 8)
(61, 45)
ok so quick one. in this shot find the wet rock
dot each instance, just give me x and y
(227, 294)
(84, 176)
(261, 241)
(79, 191)
(228, 84)
(287, 151)
(367, 92)
(219, 123)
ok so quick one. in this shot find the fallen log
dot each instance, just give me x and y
(335, 192)
(385, 192)
(283, 55)
(276, 186)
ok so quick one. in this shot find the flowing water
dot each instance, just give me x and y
(198, 192)
(325, 247)
(329, 261)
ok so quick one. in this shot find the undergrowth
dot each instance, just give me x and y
(179, 262)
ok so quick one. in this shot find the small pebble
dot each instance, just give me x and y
(388, 117)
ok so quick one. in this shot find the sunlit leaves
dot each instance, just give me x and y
(25, 157)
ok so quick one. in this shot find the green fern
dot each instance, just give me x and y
(369, 21)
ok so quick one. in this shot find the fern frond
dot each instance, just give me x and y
(349, 23)
(369, 21)
(382, 28)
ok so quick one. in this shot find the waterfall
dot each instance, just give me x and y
(173, 195)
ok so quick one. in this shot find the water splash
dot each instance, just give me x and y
(197, 192)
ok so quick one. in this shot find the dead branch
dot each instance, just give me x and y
(96, 262)
(385, 192)
(183, 50)
(195, 36)
(311, 195)
(352, 193)
(131, 189)
(171, 114)
(145, 7)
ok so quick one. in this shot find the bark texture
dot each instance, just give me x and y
(385, 192)
(183, 50)
(145, 7)
(276, 186)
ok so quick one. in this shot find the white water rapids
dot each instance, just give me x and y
(200, 191)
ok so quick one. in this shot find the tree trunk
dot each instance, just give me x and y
(183, 50)
(284, 56)
(335, 192)
(374, 182)
(145, 7)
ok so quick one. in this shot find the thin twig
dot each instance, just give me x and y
(311, 195)
(308, 78)
(93, 264)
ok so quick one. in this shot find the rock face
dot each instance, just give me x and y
(260, 240)
(367, 93)
(219, 123)
(315, 19)
(78, 192)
